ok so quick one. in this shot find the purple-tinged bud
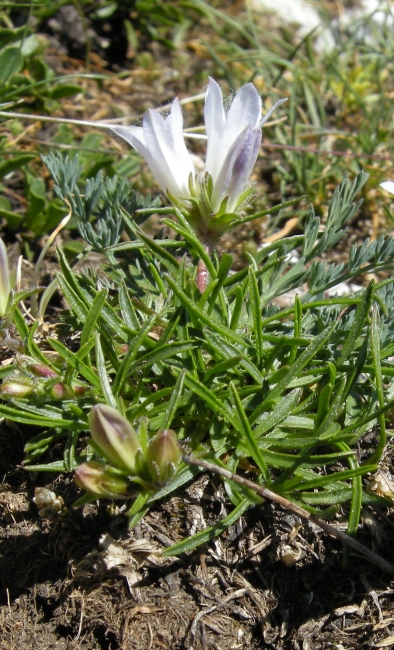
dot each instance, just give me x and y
(79, 390)
(17, 388)
(42, 371)
(115, 437)
(162, 456)
(98, 479)
(59, 391)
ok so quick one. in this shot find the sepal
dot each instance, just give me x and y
(162, 456)
(102, 480)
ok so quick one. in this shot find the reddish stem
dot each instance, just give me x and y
(202, 276)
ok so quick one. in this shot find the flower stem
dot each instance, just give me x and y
(295, 508)
(202, 271)
(202, 276)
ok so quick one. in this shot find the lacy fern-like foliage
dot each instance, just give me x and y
(101, 202)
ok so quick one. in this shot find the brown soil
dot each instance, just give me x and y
(79, 580)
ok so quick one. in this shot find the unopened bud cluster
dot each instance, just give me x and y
(127, 467)
(39, 382)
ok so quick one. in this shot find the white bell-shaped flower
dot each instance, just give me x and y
(161, 142)
(233, 142)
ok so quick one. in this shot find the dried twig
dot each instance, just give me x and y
(297, 510)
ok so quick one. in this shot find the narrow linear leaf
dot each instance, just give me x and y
(254, 296)
(93, 316)
(227, 350)
(76, 304)
(210, 398)
(168, 351)
(359, 322)
(124, 368)
(296, 368)
(174, 401)
(246, 432)
(127, 308)
(182, 477)
(102, 373)
(194, 243)
(199, 315)
(322, 481)
(159, 251)
(223, 367)
(75, 362)
(209, 533)
(16, 415)
(280, 412)
(375, 349)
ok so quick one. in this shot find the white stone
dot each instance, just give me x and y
(292, 11)
(303, 13)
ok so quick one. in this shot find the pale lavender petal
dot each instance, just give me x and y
(236, 168)
(134, 135)
(215, 121)
(233, 149)
(175, 125)
(245, 110)
(160, 141)
(242, 163)
(167, 170)
(388, 186)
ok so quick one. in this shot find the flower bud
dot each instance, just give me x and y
(115, 437)
(162, 456)
(98, 479)
(17, 388)
(60, 391)
(79, 390)
(42, 371)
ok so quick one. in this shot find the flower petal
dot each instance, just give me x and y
(175, 125)
(215, 121)
(388, 186)
(160, 141)
(171, 164)
(223, 130)
(242, 163)
(134, 135)
(236, 168)
(245, 110)
(161, 158)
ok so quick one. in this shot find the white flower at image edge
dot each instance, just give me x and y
(388, 186)
(233, 143)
